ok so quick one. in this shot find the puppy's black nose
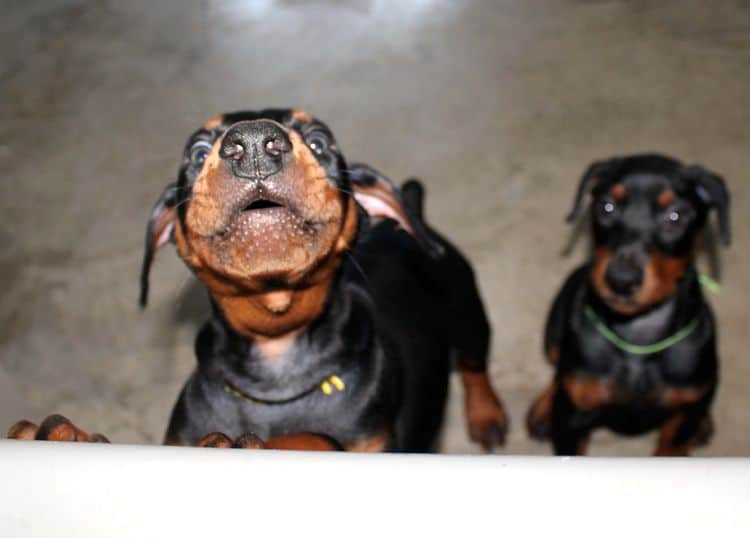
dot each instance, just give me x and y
(255, 148)
(624, 275)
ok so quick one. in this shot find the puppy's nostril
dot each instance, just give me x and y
(276, 146)
(234, 150)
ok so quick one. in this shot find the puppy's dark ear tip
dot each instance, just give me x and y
(143, 300)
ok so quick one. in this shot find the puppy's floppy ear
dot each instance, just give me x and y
(595, 173)
(710, 188)
(381, 198)
(158, 232)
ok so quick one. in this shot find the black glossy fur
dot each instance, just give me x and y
(632, 393)
(396, 316)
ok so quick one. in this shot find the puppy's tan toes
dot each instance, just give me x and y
(56, 428)
(215, 440)
(249, 440)
(487, 423)
(23, 430)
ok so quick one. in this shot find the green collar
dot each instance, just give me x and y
(326, 386)
(636, 349)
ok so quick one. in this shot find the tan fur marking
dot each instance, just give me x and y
(539, 415)
(676, 397)
(485, 415)
(665, 198)
(23, 431)
(588, 393)
(660, 278)
(214, 122)
(618, 191)
(277, 302)
(376, 443)
(301, 115)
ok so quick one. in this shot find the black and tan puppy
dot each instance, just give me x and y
(630, 335)
(324, 321)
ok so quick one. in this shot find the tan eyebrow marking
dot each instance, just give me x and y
(214, 122)
(618, 191)
(665, 198)
(301, 115)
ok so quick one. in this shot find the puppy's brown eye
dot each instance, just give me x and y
(318, 142)
(199, 151)
(605, 209)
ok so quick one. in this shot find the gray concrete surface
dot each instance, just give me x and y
(499, 106)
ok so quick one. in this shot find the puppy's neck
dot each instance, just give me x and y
(274, 317)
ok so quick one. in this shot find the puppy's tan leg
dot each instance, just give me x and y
(485, 415)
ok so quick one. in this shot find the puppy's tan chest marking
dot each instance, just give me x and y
(274, 348)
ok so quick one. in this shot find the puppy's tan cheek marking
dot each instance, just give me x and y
(321, 194)
(661, 275)
(204, 209)
(665, 198)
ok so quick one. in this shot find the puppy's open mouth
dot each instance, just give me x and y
(261, 204)
(262, 218)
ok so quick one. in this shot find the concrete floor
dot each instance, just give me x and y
(499, 106)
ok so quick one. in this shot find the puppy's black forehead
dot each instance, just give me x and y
(645, 174)
(646, 184)
(290, 118)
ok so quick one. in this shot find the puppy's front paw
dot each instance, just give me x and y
(487, 422)
(296, 441)
(705, 432)
(489, 432)
(220, 440)
(53, 428)
(539, 416)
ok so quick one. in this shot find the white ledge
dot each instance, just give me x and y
(67, 489)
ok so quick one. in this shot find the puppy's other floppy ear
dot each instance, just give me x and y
(158, 232)
(381, 198)
(596, 172)
(711, 188)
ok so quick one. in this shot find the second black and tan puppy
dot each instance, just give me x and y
(630, 335)
(323, 322)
